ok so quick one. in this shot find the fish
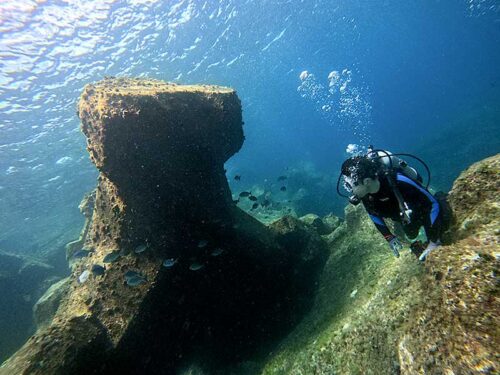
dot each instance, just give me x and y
(112, 256)
(283, 188)
(282, 178)
(129, 274)
(169, 262)
(124, 252)
(82, 253)
(140, 249)
(134, 278)
(84, 276)
(202, 243)
(98, 270)
(216, 252)
(196, 266)
(252, 198)
(245, 194)
(135, 281)
(237, 177)
(254, 206)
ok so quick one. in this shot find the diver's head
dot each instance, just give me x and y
(361, 176)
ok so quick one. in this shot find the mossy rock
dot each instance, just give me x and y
(46, 307)
(375, 314)
(316, 222)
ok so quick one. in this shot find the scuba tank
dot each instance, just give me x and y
(389, 161)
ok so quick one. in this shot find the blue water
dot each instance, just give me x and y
(313, 76)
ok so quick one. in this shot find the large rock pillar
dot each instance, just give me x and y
(162, 193)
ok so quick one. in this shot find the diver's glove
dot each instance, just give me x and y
(430, 247)
(395, 245)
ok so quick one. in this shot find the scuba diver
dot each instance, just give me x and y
(390, 188)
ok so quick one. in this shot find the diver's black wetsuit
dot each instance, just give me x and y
(426, 210)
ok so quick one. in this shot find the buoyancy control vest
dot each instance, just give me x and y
(390, 166)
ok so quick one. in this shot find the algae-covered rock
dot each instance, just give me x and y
(332, 222)
(232, 285)
(316, 222)
(46, 307)
(364, 296)
(474, 199)
(375, 314)
(455, 329)
(323, 226)
(22, 281)
(300, 242)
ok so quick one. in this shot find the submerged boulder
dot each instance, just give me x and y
(174, 270)
(377, 314)
(45, 308)
(332, 222)
(22, 281)
(455, 329)
(316, 222)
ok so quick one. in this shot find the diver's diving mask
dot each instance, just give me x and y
(349, 183)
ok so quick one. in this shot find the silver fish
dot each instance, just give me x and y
(196, 266)
(112, 256)
(169, 262)
(216, 252)
(140, 249)
(131, 274)
(202, 243)
(135, 281)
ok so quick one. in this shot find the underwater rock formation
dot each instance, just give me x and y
(174, 271)
(22, 281)
(46, 307)
(456, 328)
(376, 314)
(86, 207)
(317, 223)
(364, 297)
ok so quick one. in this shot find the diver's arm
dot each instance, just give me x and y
(380, 225)
(432, 224)
(393, 241)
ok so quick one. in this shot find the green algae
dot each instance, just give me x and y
(354, 333)
(375, 314)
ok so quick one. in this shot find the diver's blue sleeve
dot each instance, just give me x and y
(382, 228)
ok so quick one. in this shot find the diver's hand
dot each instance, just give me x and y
(395, 245)
(430, 247)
